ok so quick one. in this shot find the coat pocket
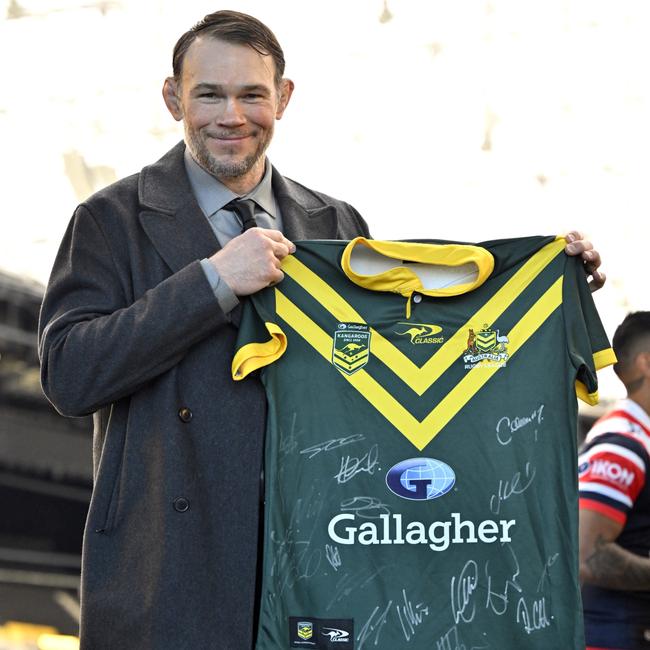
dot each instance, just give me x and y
(110, 432)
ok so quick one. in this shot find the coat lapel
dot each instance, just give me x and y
(181, 234)
(302, 222)
(170, 214)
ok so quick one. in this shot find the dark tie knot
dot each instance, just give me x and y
(245, 210)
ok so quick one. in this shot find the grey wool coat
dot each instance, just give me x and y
(132, 332)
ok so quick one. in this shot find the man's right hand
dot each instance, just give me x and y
(251, 261)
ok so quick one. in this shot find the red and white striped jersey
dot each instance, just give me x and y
(613, 463)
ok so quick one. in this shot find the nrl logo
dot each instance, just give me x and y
(351, 348)
(486, 345)
(420, 332)
(305, 629)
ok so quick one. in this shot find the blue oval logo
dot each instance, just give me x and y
(583, 467)
(420, 479)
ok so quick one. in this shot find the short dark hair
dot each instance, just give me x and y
(631, 337)
(232, 27)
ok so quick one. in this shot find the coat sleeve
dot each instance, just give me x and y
(97, 344)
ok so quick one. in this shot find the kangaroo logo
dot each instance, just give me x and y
(420, 332)
(336, 636)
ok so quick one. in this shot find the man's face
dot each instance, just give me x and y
(228, 102)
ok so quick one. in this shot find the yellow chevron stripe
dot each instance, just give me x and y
(419, 379)
(421, 433)
(322, 342)
(476, 378)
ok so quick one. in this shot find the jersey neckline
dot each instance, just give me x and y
(404, 281)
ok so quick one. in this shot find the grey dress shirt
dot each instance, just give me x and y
(212, 196)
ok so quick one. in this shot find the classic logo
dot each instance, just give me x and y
(351, 348)
(305, 629)
(486, 345)
(420, 333)
(420, 479)
(336, 636)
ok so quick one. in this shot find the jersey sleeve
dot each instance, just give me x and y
(261, 341)
(611, 474)
(588, 346)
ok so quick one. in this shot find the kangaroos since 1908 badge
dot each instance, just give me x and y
(351, 347)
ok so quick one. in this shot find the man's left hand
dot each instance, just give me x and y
(578, 245)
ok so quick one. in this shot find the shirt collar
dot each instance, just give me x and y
(211, 194)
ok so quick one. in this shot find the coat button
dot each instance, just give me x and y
(417, 298)
(181, 504)
(185, 414)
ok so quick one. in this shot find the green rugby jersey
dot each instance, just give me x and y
(420, 462)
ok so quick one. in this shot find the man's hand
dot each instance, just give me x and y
(578, 245)
(252, 260)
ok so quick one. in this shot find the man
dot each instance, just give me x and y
(138, 327)
(615, 504)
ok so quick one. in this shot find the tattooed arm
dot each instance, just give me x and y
(603, 562)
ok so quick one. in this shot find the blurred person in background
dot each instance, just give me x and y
(138, 327)
(615, 503)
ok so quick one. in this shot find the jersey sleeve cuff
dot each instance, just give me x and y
(252, 356)
(602, 358)
(603, 509)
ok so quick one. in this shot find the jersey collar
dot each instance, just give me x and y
(405, 281)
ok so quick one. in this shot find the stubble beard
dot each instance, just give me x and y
(222, 169)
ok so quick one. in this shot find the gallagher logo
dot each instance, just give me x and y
(420, 479)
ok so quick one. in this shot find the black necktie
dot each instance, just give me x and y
(245, 210)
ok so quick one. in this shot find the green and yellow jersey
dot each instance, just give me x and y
(420, 467)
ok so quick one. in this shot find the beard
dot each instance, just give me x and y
(222, 169)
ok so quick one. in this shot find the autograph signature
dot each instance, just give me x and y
(351, 466)
(545, 573)
(328, 445)
(410, 616)
(461, 593)
(333, 556)
(365, 507)
(498, 600)
(349, 582)
(373, 626)
(451, 640)
(532, 619)
(513, 486)
(506, 426)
